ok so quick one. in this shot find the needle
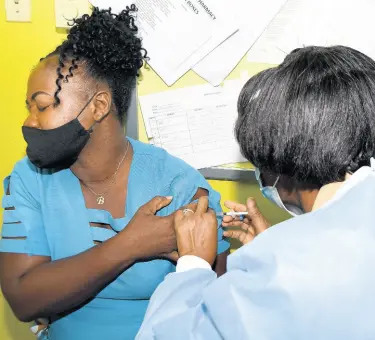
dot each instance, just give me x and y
(232, 213)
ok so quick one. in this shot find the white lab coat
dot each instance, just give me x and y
(311, 277)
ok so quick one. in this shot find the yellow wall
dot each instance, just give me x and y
(21, 46)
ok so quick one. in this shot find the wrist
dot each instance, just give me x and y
(130, 248)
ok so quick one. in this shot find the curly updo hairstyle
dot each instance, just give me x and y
(110, 50)
(312, 118)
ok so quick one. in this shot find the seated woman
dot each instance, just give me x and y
(308, 125)
(84, 241)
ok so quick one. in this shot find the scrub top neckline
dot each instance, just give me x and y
(105, 213)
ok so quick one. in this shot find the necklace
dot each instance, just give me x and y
(100, 196)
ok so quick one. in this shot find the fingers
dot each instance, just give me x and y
(228, 218)
(239, 235)
(210, 217)
(178, 217)
(257, 220)
(232, 222)
(157, 203)
(202, 205)
(244, 226)
(212, 213)
(235, 221)
(235, 206)
(191, 206)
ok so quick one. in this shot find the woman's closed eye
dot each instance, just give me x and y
(40, 108)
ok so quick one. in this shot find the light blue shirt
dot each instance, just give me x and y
(311, 277)
(55, 222)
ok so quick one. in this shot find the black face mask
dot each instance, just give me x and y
(56, 148)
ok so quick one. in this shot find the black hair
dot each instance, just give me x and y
(108, 46)
(312, 118)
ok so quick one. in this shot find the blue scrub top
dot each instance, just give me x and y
(55, 222)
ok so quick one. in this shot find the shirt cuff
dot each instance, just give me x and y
(189, 262)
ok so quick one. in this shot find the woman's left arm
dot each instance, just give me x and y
(220, 265)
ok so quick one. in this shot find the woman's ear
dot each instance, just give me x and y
(102, 103)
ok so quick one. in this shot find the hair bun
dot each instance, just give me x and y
(108, 41)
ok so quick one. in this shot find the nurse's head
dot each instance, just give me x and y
(308, 122)
(83, 88)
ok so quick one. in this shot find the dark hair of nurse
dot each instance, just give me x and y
(309, 121)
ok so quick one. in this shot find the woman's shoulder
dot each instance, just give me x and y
(161, 159)
(23, 178)
(25, 168)
(148, 150)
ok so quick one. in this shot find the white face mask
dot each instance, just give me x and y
(272, 194)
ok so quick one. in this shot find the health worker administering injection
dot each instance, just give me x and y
(308, 126)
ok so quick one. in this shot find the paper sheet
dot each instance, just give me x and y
(203, 30)
(253, 16)
(179, 33)
(320, 22)
(195, 123)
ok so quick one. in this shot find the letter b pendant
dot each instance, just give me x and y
(100, 200)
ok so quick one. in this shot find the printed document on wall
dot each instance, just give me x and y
(252, 16)
(320, 22)
(195, 123)
(177, 34)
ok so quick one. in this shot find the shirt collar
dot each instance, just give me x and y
(333, 191)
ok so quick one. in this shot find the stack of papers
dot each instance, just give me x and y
(208, 36)
(252, 17)
(195, 123)
(320, 22)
